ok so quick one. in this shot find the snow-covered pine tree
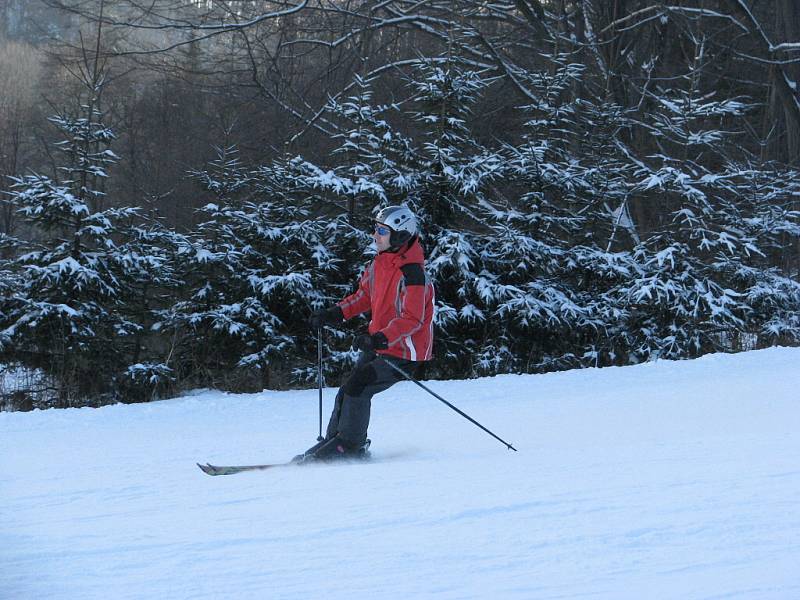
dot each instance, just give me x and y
(607, 290)
(317, 254)
(67, 315)
(323, 217)
(566, 189)
(706, 278)
(10, 284)
(254, 269)
(149, 255)
(209, 320)
(455, 191)
(771, 223)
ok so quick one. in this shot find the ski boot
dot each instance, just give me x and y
(309, 454)
(333, 449)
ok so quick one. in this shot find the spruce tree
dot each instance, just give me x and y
(65, 316)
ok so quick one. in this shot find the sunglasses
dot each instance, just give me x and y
(382, 229)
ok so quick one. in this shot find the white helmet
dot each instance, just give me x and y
(402, 222)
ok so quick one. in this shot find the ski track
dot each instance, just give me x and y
(664, 480)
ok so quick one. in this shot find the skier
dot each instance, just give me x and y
(394, 288)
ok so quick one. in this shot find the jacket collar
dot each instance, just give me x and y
(411, 252)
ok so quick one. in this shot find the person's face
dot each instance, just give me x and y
(381, 235)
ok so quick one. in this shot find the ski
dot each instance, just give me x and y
(307, 457)
(210, 469)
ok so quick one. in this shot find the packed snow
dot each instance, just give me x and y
(663, 480)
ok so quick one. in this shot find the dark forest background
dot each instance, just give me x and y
(183, 181)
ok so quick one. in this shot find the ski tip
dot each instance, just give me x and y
(206, 468)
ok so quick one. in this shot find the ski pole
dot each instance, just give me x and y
(438, 397)
(319, 379)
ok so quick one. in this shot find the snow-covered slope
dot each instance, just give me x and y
(665, 480)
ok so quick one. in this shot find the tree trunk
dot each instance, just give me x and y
(788, 30)
(786, 14)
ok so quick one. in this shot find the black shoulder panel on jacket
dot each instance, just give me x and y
(413, 274)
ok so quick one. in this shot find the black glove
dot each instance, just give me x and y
(370, 343)
(325, 316)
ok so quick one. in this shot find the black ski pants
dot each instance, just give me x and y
(371, 375)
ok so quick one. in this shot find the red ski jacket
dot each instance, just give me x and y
(396, 290)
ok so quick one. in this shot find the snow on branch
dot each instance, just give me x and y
(662, 11)
(788, 46)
